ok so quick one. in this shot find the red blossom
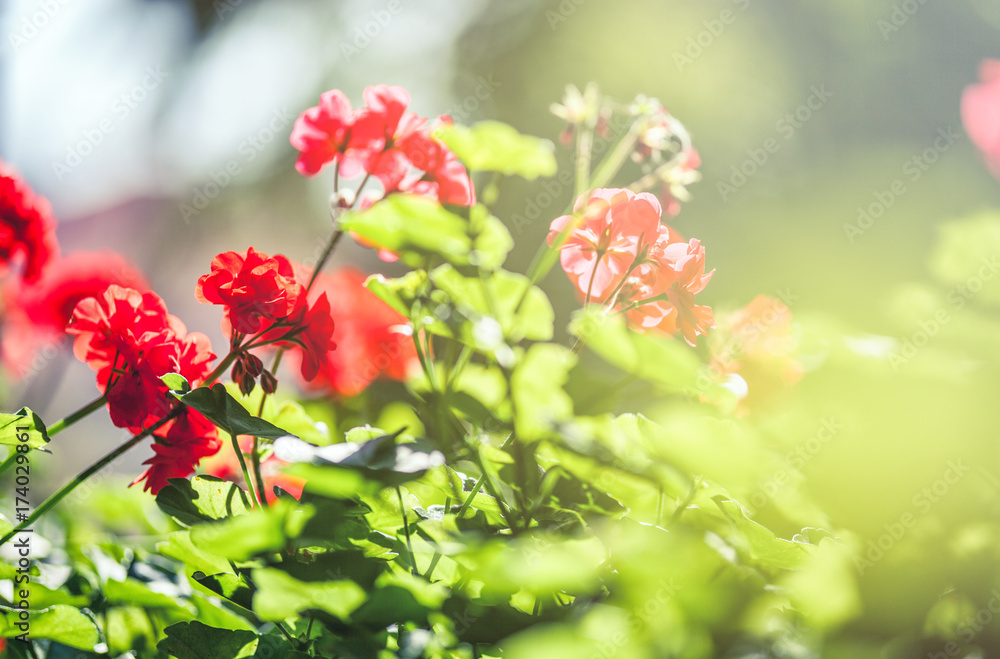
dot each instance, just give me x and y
(131, 341)
(181, 444)
(321, 133)
(256, 290)
(27, 228)
(312, 333)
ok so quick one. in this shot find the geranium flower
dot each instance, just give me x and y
(615, 226)
(372, 339)
(27, 228)
(312, 333)
(981, 113)
(131, 341)
(35, 315)
(321, 133)
(255, 289)
(181, 444)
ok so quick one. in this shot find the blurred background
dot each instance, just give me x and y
(837, 176)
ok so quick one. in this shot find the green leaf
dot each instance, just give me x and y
(760, 543)
(194, 640)
(14, 426)
(228, 585)
(180, 548)
(421, 230)
(332, 481)
(499, 297)
(258, 532)
(226, 412)
(382, 459)
(494, 146)
(539, 400)
(202, 499)
(176, 383)
(60, 623)
(135, 593)
(654, 357)
(413, 226)
(280, 596)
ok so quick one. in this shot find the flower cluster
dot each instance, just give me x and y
(617, 252)
(382, 140)
(131, 341)
(27, 228)
(266, 305)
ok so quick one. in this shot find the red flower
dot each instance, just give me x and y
(372, 339)
(181, 444)
(27, 228)
(616, 225)
(255, 288)
(36, 315)
(131, 341)
(312, 332)
(384, 136)
(981, 113)
(321, 133)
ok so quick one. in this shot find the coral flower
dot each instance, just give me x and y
(27, 228)
(616, 224)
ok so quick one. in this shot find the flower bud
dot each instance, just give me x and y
(247, 384)
(268, 382)
(252, 364)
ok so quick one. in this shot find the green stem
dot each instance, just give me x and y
(246, 472)
(62, 424)
(49, 503)
(11, 459)
(406, 531)
(613, 162)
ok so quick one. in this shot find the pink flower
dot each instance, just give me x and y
(981, 113)
(321, 133)
(616, 225)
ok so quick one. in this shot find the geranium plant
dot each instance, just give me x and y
(445, 486)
